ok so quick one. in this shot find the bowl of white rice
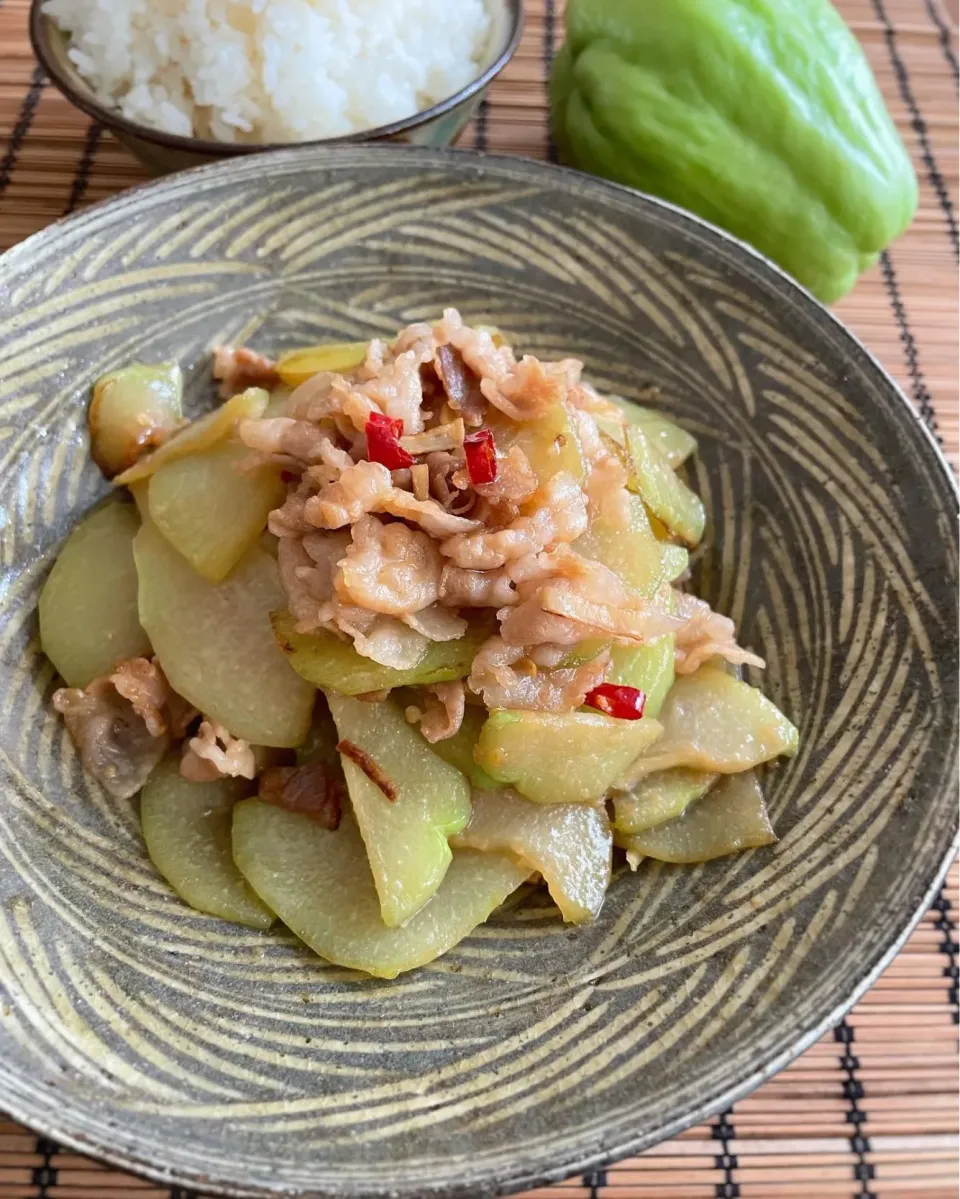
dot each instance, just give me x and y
(184, 82)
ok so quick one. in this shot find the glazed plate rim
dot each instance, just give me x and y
(751, 260)
(513, 163)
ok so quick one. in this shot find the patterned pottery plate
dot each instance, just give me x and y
(200, 1053)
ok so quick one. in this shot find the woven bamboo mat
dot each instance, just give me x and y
(872, 1109)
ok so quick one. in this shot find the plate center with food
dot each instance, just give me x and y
(396, 630)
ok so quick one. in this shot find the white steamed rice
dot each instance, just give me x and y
(273, 70)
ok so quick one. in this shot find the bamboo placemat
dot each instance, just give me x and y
(872, 1109)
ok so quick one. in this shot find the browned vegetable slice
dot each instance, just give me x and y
(132, 410)
(200, 434)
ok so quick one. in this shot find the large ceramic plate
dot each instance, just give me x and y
(171, 1043)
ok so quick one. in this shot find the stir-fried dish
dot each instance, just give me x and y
(395, 629)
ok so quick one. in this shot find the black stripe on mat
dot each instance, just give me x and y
(78, 189)
(918, 385)
(480, 126)
(946, 37)
(24, 120)
(724, 1132)
(919, 125)
(595, 1181)
(863, 1171)
(44, 1177)
(549, 35)
(946, 925)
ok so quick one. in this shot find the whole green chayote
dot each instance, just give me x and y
(762, 116)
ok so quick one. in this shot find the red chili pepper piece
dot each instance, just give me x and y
(383, 441)
(626, 703)
(481, 453)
